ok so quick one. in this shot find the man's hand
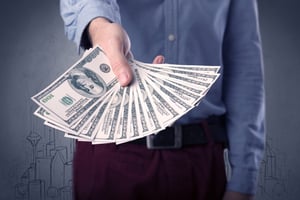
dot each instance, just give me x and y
(229, 195)
(115, 43)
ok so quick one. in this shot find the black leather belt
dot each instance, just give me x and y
(179, 136)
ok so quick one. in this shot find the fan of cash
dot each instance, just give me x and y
(87, 103)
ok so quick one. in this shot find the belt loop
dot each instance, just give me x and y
(207, 131)
(178, 135)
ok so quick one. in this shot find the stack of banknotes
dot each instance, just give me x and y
(87, 103)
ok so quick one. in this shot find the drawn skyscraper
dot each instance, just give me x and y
(49, 175)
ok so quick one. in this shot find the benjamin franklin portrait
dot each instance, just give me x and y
(86, 82)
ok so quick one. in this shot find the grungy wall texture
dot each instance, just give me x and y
(34, 51)
(36, 162)
(280, 29)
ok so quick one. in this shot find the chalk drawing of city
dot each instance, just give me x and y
(274, 175)
(49, 175)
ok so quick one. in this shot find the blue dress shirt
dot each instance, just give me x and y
(204, 32)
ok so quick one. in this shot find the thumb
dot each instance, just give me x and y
(120, 66)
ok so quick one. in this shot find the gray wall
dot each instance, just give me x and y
(280, 27)
(34, 51)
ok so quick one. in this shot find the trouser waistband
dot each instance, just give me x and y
(179, 136)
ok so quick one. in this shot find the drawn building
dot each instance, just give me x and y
(49, 175)
(273, 179)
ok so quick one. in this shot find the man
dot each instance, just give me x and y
(219, 32)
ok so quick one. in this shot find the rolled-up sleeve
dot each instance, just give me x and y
(244, 95)
(77, 14)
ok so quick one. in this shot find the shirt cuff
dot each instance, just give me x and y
(88, 13)
(243, 181)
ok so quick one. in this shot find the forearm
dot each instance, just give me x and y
(104, 33)
(96, 25)
(244, 96)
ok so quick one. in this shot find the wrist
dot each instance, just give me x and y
(95, 26)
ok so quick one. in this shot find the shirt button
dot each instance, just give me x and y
(171, 37)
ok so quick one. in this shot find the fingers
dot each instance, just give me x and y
(159, 59)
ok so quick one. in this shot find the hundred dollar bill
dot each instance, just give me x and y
(140, 124)
(118, 112)
(199, 75)
(91, 130)
(122, 127)
(88, 123)
(55, 126)
(125, 127)
(136, 124)
(186, 93)
(186, 83)
(180, 79)
(151, 113)
(50, 120)
(199, 68)
(72, 136)
(85, 123)
(79, 88)
(83, 126)
(164, 109)
(62, 129)
(106, 126)
(172, 102)
(181, 104)
(43, 114)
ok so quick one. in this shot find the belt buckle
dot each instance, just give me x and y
(177, 140)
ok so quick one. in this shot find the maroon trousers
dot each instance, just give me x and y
(132, 172)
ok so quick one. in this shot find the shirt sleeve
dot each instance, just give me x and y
(77, 14)
(244, 95)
